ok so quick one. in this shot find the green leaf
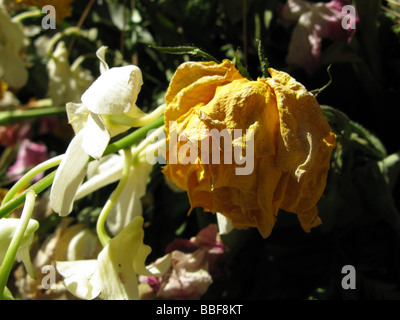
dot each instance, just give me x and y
(338, 120)
(390, 168)
(263, 61)
(238, 64)
(354, 133)
(373, 144)
(194, 51)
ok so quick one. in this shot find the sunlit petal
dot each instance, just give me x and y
(117, 269)
(101, 173)
(101, 54)
(115, 91)
(129, 203)
(96, 136)
(69, 176)
(79, 277)
(7, 230)
(77, 115)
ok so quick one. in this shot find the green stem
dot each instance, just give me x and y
(38, 187)
(30, 175)
(7, 117)
(7, 295)
(9, 258)
(100, 227)
(27, 14)
(44, 183)
(58, 36)
(133, 137)
(126, 120)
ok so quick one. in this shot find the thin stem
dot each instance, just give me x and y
(19, 200)
(100, 227)
(9, 258)
(27, 14)
(58, 36)
(80, 22)
(134, 137)
(147, 146)
(7, 117)
(30, 175)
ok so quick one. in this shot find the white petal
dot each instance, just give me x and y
(224, 224)
(158, 269)
(129, 204)
(105, 164)
(69, 176)
(77, 115)
(115, 91)
(101, 54)
(95, 137)
(116, 264)
(79, 277)
(109, 170)
(116, 275)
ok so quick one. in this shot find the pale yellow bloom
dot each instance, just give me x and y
(113, 276)
(67, 82)
(12, 43)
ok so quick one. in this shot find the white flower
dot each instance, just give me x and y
(113, 94)
(113, 276)
(12, 40)
(7, 230)
(67, 82)
(109, 170)
(224, 224)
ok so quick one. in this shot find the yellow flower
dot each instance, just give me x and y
(63, 7)
(291, 138)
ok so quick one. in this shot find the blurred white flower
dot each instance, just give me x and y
(109, 170)
(67, 82)
(114, 275)
(7, 230)
(12, 41)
